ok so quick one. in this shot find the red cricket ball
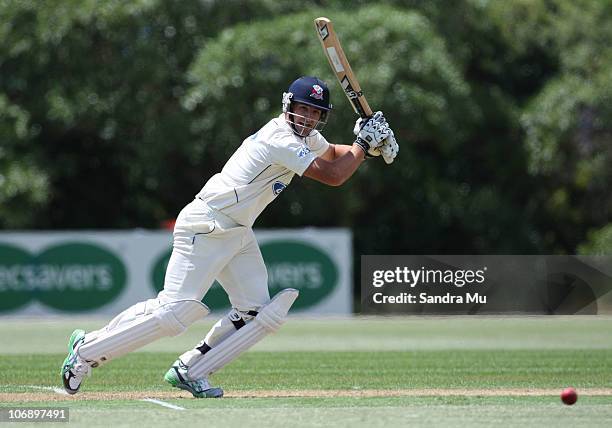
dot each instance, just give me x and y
(569, 396)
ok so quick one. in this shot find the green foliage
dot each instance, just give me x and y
(599, 242)
(113, 114)
(100, 82)
(566, 124)
(23, 187)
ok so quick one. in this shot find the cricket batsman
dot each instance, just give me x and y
(213, 240)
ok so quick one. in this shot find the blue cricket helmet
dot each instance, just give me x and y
(311, 91)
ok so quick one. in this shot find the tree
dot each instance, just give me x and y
(100, 83)
(23, 187)
(567, 124)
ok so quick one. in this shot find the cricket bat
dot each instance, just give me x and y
(341, 67)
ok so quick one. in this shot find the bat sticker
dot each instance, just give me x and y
(350, 92)
(333, 55)
(323, 32)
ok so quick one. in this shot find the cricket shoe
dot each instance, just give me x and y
(75, 368)
(200, 388)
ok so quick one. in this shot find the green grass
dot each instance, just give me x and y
(361, 354)
(342, 370)
(352, 334)
(347, 412)
(413, 411)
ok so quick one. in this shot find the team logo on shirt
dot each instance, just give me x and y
(278, 187)
(303, 151)
(317, 92)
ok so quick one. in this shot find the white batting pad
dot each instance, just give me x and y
(140, 325)
(269, 319)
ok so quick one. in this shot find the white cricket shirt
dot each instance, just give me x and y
(260, 169)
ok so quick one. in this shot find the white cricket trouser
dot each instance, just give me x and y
(208, 245)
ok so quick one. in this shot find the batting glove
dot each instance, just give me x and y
(389, 149)
(372, 133)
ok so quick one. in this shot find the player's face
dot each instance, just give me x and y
(305, 118)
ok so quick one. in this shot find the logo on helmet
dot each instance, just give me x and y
(317, 92)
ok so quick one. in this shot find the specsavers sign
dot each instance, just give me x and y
(105, 272)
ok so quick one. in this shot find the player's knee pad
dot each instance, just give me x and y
(174, 318)
(272, 319)
(140, 325)
(267, 321)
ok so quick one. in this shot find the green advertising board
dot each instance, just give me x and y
(103, 273)
(68, 276)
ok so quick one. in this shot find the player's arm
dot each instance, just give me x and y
(339, 163)
(336, 171)
(335, 151)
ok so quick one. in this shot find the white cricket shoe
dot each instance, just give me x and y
(74, 368)
(199, 388)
